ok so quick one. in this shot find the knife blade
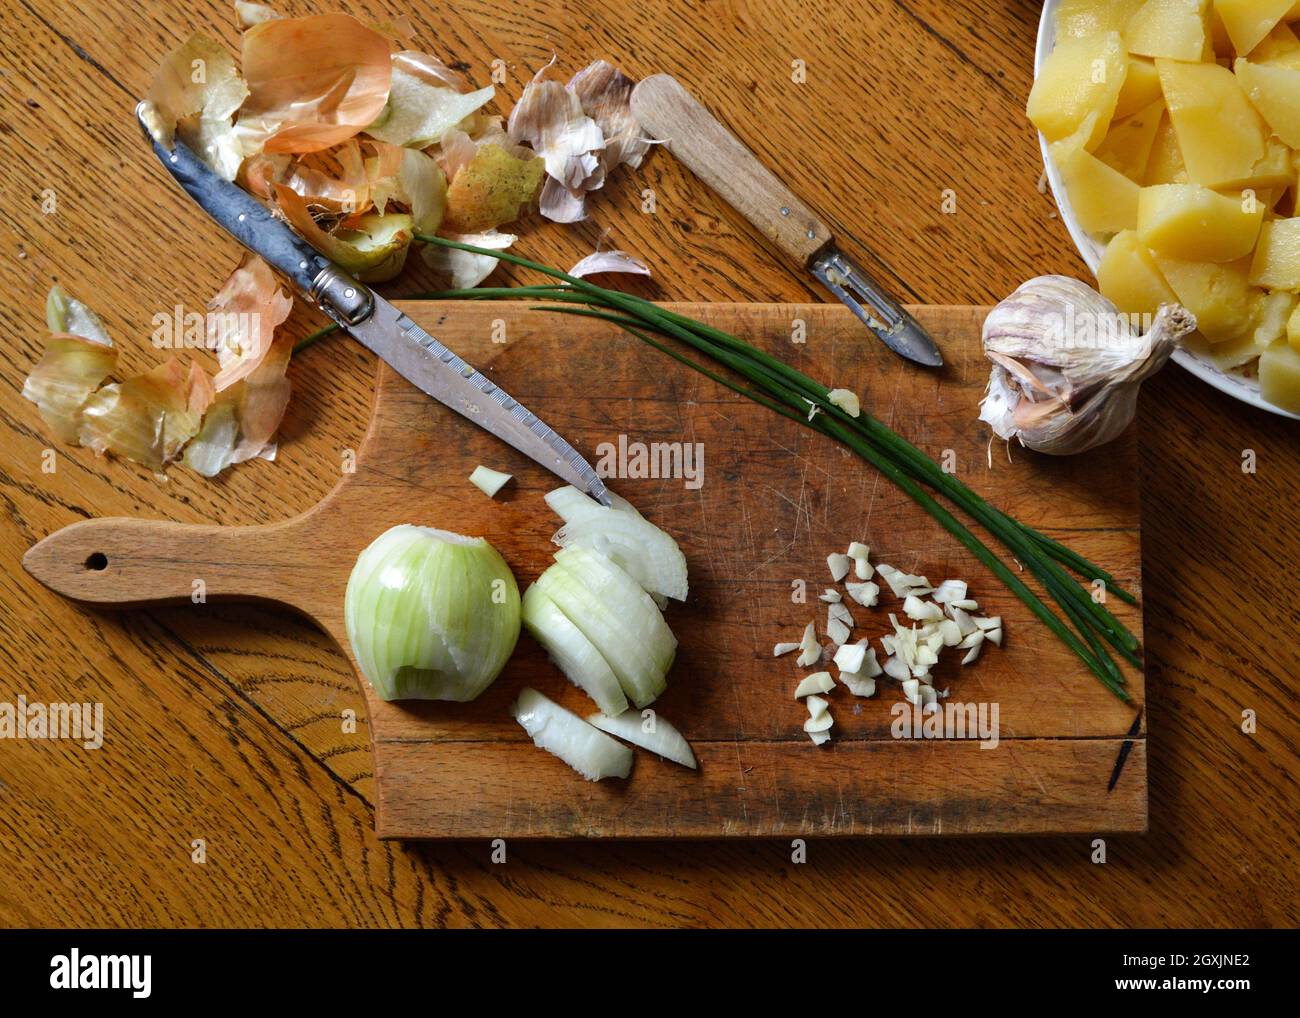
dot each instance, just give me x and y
(670, 114)
(374, 322)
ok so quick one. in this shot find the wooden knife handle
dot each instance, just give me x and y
(130, 563)
(669, 113)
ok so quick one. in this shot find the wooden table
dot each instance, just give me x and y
(224, 722)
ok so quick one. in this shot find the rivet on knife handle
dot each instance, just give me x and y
(667, 112)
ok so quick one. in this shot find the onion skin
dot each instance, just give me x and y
(431, 615)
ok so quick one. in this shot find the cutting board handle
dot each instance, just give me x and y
(669, 113)
(130, 563)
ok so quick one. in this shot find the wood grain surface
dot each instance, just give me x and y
(762, 503)
(224, 726)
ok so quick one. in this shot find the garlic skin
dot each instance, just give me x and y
(1067, 364)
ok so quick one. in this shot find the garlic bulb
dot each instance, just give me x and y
(1067, 364)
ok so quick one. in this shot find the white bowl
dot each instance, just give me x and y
(1239, 386)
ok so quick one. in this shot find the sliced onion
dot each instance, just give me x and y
(431, 615)
(572, 652)
(487, 480)
(570, 504)
(617, 616)
(652, 733)
(590, 752)
(636, 545)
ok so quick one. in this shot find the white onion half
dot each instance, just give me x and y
(572, 652)
(431, 615)
(652, 733)
(590, 752)
(617, 616)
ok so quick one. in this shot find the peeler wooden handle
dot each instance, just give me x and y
(669, 113)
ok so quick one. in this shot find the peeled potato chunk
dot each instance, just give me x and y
(1274, 90)
(1165, 163)
(1196, 224)
(1103, 199)
(1271, 312)
(1249, 21)
(1280, 46)
(1080, 78)
(1140, 89)
(1219, 133)
(1177, 29)
(1219, 295)
(1080, 19)
(1279, 375)
(1127, 145)
(1277, 256)
(1293, 329)
(1129, 278)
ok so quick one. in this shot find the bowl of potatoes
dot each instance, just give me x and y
(1170, 132)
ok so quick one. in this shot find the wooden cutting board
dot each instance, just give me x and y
(774, 499)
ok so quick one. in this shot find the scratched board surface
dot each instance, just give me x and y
(756, 505)
(773, 499)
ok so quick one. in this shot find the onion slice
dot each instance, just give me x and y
(660, 737)
(590, 752)
(617, 616)
(633, 543)
(487, 480)
(572, 652)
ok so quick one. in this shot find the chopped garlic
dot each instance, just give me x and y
(994, 623)
(850, 656)
(811, 649)
(838, 632)
(846, 401)
(838, 565)
(912, 691)
(820, 724)
(817, 706)
(973, 653)
(902, 583)
(950, 632)
(972, 639)
(858, 685)
(840, 611)
(994, 636)
(950, 590)
(817, 682)
(858, 550)
(866, 594)
(831, 595)
(863, 569)
(820, 738)
(964, 622)
(922, 611)
(966, 604)
(896, 668)
(487, 480)
(784, 648)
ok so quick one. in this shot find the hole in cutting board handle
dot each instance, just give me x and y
(98, 561)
